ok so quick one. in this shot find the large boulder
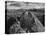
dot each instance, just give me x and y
(27, 21)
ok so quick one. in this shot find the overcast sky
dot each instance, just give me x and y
(24, 5)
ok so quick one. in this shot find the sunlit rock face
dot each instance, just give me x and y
(27, 21)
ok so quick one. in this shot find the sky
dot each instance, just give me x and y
(24, 5)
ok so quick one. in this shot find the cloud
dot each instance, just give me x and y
(23, 5)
